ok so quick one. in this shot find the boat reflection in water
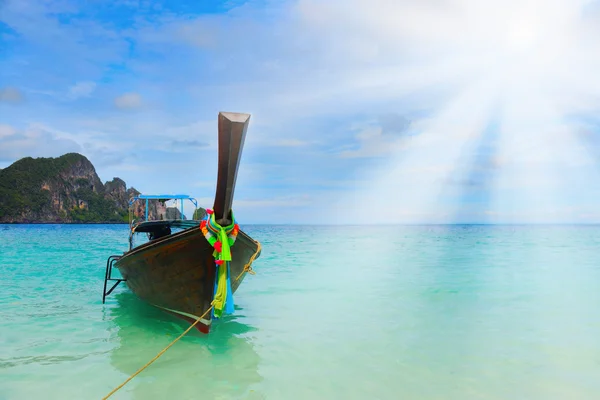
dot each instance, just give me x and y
(221, 365)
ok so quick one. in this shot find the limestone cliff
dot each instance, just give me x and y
(63, 189)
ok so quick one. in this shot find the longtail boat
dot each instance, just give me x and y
(187, 266)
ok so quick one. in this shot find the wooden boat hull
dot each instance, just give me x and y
(177, 272)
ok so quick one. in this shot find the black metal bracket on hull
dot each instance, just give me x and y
(108, 277)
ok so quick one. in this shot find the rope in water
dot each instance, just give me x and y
(157, 356)
(247, 268)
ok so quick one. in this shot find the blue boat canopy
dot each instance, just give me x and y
(161, 197)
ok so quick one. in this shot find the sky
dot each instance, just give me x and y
(378, 111)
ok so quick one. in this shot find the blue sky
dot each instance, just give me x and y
(378, 111)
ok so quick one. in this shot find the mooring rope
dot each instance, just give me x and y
(157, 356)
(247, 268)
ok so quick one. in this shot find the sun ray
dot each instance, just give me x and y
(408, 188)
(474, 182)
(535, 62)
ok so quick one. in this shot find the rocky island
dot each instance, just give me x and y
(67, 189)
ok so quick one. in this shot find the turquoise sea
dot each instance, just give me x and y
(396, 312)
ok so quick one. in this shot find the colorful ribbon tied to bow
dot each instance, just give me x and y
(221, 238)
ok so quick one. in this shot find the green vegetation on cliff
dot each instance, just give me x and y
(21, 182)
(63, 189)
(99, 209)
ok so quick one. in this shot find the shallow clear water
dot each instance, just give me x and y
(434, 312)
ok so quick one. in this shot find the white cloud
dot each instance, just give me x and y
(81, 89)
(11, 95)
(32, 142)
(203, 132)
(7, 130)
(373, 142)
(128, 101)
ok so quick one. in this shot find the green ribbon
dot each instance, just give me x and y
(221, 292)
(223, 237)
